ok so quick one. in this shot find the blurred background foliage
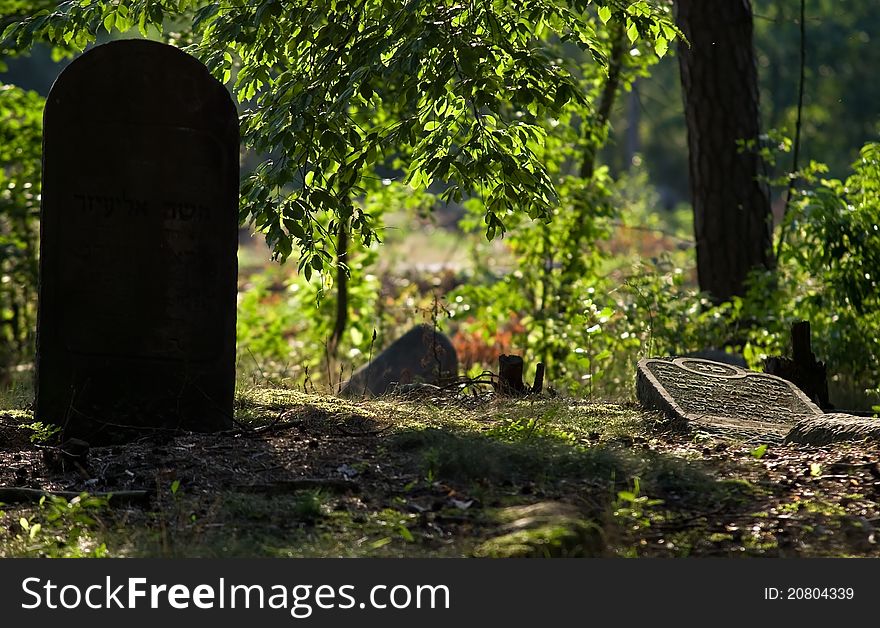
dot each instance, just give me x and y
(608, 280)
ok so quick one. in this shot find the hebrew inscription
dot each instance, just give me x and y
(140, 251)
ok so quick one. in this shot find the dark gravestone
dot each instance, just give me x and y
(716, 394)
(136, 323)
(421, 355)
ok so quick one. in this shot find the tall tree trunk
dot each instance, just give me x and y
(597, 131)
(732, 216)
(633, 116)
(339, 325)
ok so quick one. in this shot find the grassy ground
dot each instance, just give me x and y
(319, 476)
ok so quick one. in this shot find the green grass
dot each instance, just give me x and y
(546, 477)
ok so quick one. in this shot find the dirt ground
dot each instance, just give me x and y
(305, 475)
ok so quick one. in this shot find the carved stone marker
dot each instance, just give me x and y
(712, 393)
(136, 323)
(420, 355)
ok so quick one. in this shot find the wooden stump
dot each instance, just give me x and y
(510, 374)
(538, 386)
(510, 377)
(802, 369)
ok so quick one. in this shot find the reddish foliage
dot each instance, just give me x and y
(472, 348)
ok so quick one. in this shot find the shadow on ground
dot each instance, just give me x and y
(319, 476)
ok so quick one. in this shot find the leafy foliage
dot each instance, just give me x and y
(62, 528)
(838, 234)
(285, 322)
(830, 265)
(20, 144)
(445, 91)
(556, 260)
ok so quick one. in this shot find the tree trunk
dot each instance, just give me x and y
(732, 216)
(339, 325)
(598, 130)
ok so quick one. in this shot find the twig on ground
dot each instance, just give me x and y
(20, 494)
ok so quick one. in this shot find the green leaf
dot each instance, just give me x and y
(294, 228)
(604, 14)
(175, 486)
(357, 336)
(758, 452)
(632, 32)
(604, 355)
(661, 46)
(109, 21)
(380, 543)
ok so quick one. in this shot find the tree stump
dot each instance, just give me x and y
(538, 386)
(802, 369)
(510, 375)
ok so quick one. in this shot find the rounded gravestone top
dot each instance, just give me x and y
(138, 80)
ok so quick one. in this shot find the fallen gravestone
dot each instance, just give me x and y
(420, 355)
(721, 395)
(136, 323)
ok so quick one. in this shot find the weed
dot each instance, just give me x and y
(633, 509)
(309, 507)
(41, 432)
(62, 528)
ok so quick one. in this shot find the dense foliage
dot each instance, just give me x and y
(20, 144)
(452, 92)
(353, 111)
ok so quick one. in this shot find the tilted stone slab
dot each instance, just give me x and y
(421, 355)
(715, 394)
(834, 427)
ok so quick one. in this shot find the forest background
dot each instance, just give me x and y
(586, 282)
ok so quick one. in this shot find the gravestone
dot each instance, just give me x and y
(715, 394)
(139, 217)
(420, 355)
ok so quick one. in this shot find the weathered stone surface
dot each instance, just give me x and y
(136, 323)
(703, 391)
(420, 355)
(834, 427)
